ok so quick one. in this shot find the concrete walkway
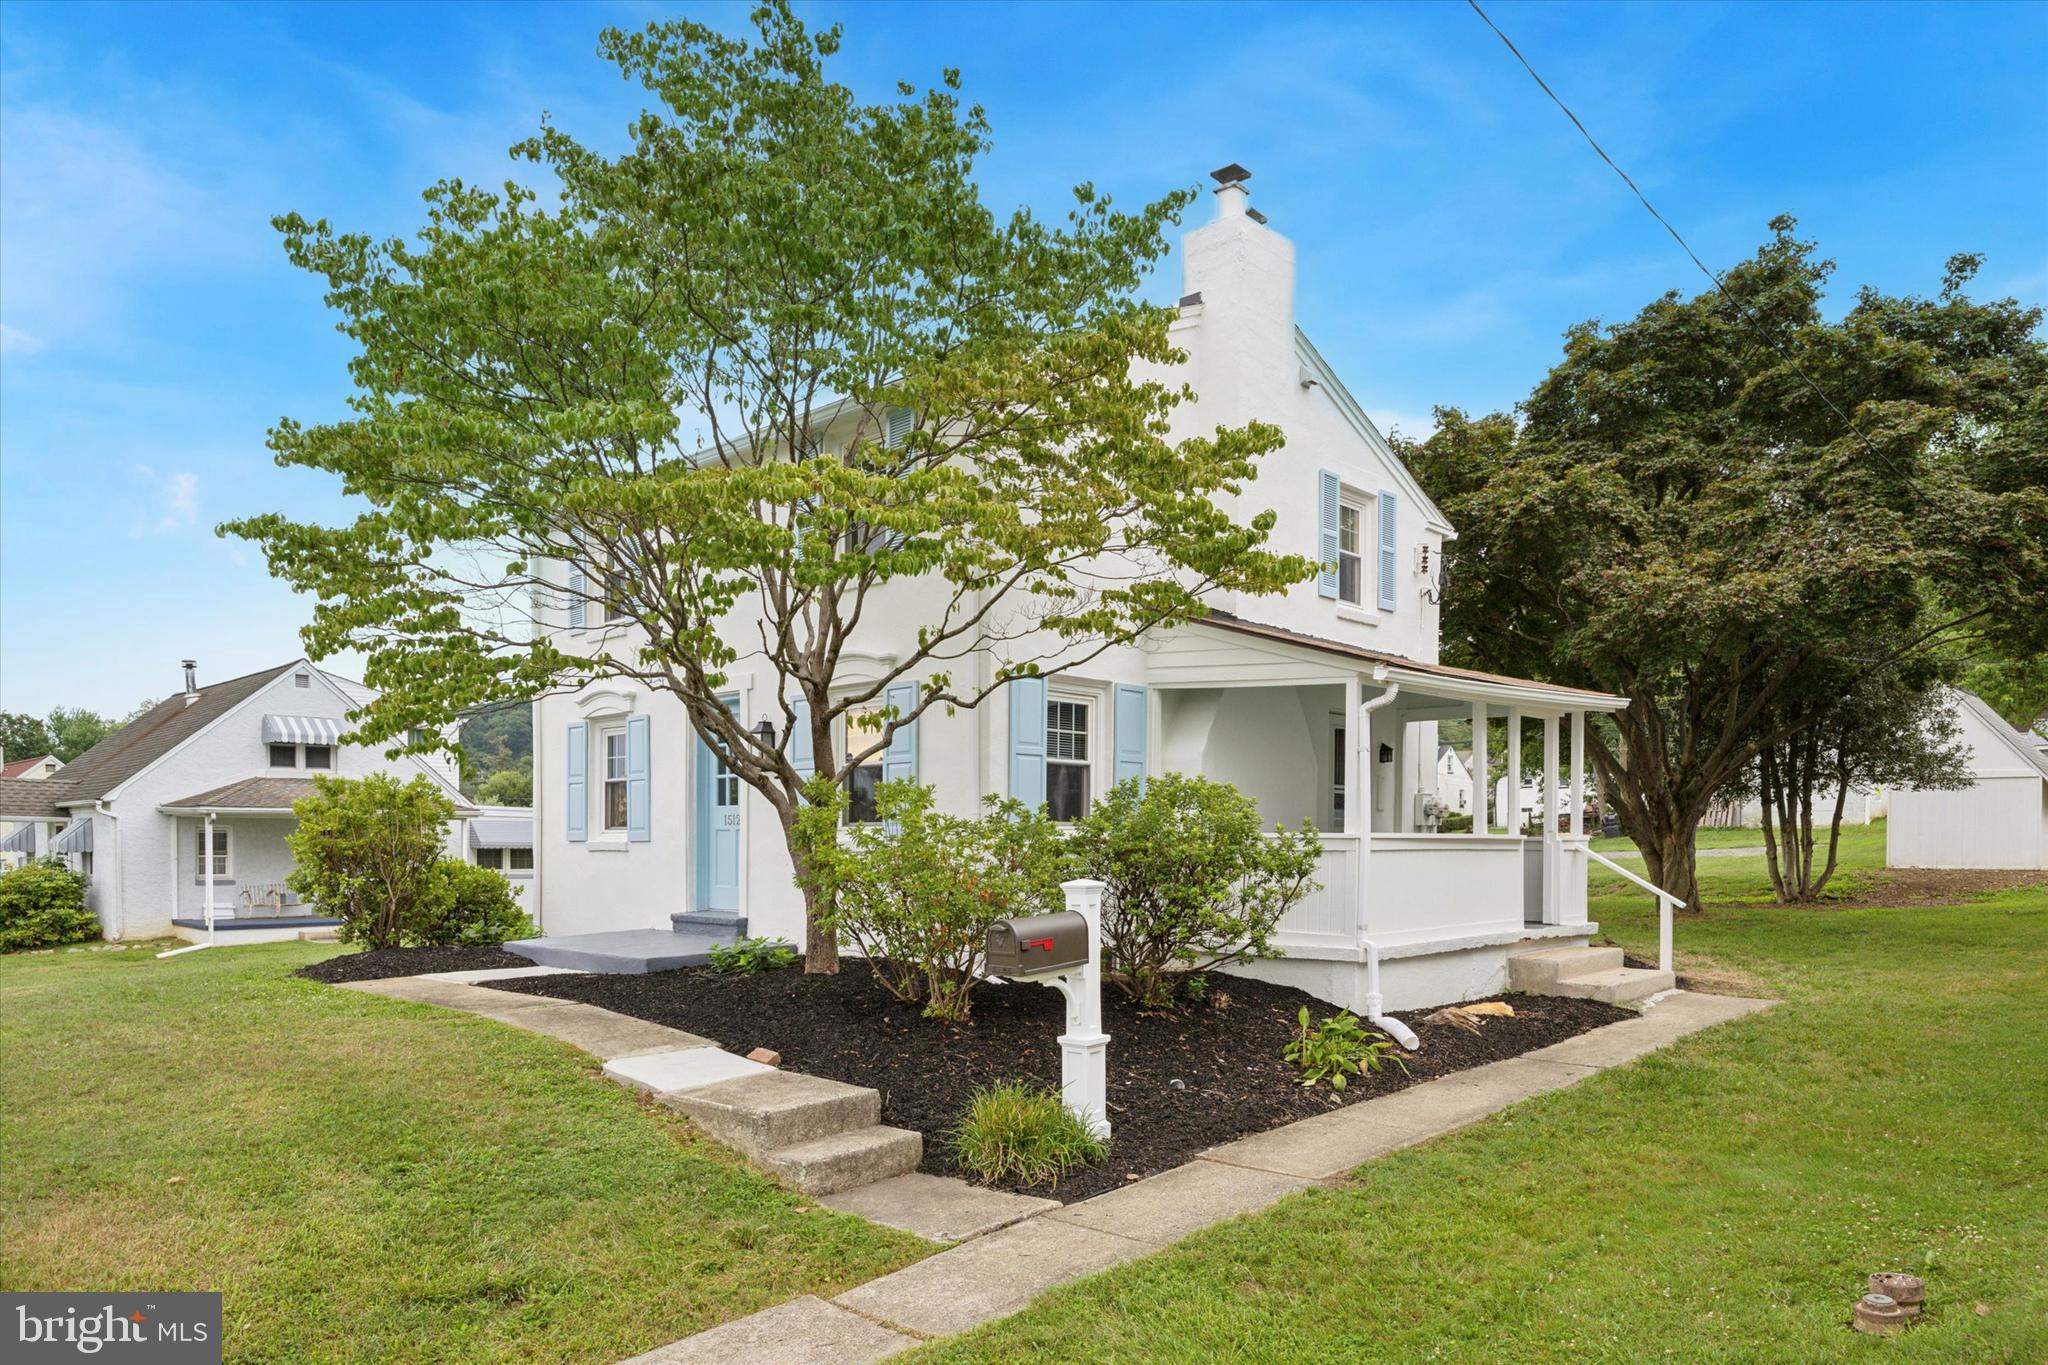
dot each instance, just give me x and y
(997, 1274)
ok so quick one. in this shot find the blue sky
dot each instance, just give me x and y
(1449, 222)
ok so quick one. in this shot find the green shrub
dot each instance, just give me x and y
(752, 956)
(365, 850)
(1191, 882)
(1455, 824)
(462, 903)
(917, 892)
(1013, 1131)
(1338, 1049)
(42, 905)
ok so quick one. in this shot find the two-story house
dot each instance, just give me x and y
(1322, 703)
(192, 800)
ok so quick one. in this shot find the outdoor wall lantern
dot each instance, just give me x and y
(764, 731)
(1386, 753)
(1064, 951)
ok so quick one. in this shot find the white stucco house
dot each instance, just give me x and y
(1322, 703)
(1454, 780)
(1999, 821)
(194, 797)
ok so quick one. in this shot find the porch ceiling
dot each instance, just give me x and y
(1427, 690)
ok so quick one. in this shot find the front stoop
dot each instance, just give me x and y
(1585, 974)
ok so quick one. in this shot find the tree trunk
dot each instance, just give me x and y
(1673, 863)
(821, 940)
(1767, 801)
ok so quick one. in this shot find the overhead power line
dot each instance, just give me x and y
(1742, 308)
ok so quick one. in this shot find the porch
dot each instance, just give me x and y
(1346, 739)
(228, 863)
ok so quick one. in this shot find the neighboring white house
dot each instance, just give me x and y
(1322, 703)
(1454, 780)
(18, 839)
(2000, 821)
(501, 838)
(195, 795)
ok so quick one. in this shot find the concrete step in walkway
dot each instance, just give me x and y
(999, 1273)
(1585, 973)
(629, 952)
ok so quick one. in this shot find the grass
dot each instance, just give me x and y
(1720, 838)
(364, 1179)
(1720, 1200)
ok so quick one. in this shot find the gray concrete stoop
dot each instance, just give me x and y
(1585, 973)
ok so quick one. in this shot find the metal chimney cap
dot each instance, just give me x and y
(1230, 175)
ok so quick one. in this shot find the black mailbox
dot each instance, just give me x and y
(1037, 945)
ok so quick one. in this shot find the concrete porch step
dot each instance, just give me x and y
(714, 922)
(623, 951)
(1537, 970)
(1616, 986)
(845, 1160)
(763, 1114)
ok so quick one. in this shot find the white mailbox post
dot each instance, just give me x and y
(1084, 1047)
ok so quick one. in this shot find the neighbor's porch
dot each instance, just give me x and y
(1346, 740)
(228, 855)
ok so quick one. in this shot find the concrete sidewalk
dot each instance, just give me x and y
(996, 1275)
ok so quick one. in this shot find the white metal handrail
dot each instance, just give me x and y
(1665, 901)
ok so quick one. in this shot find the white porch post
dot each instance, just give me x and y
(1482, 782)
(1578, 798)
(206, 861)
(1553, 848)
(1511, 816)
(1354, 811)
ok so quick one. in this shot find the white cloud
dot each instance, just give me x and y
(169, 502)
(14, 341)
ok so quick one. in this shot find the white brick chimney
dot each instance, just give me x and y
(1244, 272)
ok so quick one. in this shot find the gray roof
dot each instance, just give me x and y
(151, 735)
(261, 793)
(31, 798)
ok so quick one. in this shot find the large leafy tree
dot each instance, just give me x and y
(1682, 515)
(675, 395)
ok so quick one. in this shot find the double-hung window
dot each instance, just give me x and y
(863, 728)
(219, 853)
(1067, 758)
(319, 756)
(1351, 552)
(284, 755)
(614, 790)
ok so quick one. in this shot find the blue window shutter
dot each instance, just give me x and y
(578, 758)
(1027, 741)
(899, 760)
(1389, 538)
(578, 588)
(638, 829)
(899, 423)
(1131, 719)
(1329, 491)
(800, 756)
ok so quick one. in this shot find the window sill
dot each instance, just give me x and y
(606, 845)
(1360, 616)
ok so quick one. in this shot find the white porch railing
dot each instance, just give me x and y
(1665, 901)
(1327, 916)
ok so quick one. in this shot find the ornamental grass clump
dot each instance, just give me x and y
(1016, 1132)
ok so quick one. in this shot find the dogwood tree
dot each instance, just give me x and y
(729, 386)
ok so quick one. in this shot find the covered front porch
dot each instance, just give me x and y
(228, 863)
(1347, 740)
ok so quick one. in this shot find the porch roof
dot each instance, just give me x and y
(250, 796)
(1434, 679)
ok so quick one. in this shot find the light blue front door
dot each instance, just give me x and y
(718, 829)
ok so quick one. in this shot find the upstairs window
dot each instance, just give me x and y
(615, 779)
(1351, 552)
(284, 755)
(319, 756)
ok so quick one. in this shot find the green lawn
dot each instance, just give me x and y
(365, 1179)
(1721, 838)
(1721, 1200)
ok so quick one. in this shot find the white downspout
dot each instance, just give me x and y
(206, 871)
(1363, 754)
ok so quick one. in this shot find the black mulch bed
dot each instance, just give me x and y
(378, 963)
(1224, 1053)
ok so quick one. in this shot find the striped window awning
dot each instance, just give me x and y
(76, 839)
(301, 730)
(22, 840)
(501, 831)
